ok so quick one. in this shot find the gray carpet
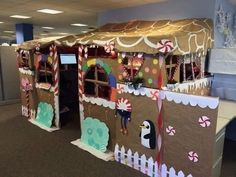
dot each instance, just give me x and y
(28, 151)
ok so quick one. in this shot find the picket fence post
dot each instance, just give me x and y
(117, 152)
(136, 161)
(150, 167)
(122, 155)
(129, 158)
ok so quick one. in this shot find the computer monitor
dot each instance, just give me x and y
(68, 59)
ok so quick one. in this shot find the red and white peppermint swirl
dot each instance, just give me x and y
(109, 46)
(204, 121)
(124, 104)
(154, 95)
(193, 156)
(170, 130)
(165, 45)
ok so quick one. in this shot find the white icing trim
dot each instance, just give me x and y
(33, 121)
(100, 102)
(39, 86)
(143, 91)
(184, 87)
(107, 156)
(193, 100)
(27, 72)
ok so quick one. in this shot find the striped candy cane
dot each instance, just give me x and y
(82, 49)
(53, 52)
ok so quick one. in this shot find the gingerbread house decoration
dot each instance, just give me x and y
(140, 86)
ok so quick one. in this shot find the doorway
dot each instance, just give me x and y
(69, 101)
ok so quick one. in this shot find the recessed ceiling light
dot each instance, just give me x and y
(1, 22)
(43, 34)
(20, 16)
(9, 32)
(50, 11)
(47, 27)
(78, 24)
(84, 31)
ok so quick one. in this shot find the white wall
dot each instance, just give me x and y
(171, 9)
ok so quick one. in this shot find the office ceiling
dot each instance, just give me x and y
(75, 11)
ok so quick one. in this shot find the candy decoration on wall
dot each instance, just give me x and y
(124, 109)
(170, 130)
(109, 47)
(165, 45)
(27, 87)
(83, 51)
(53, 50)
(148, 134)
(95, 134)
(80, 80)
(44, 114)
(176, 68)
(193, 156)
(204, 121)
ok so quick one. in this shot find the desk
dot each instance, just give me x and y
(226, 113)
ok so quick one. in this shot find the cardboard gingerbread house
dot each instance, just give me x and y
(141, 90)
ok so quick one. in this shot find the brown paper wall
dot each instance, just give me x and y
(189, 136)
(143, 108)
(105, 115)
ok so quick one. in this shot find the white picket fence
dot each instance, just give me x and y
(146, 166)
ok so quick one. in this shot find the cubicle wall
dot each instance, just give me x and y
(9, 77)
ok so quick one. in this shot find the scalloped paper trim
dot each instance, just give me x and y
(100, 102)
(193, 100)
(143, 91)
(27, 72)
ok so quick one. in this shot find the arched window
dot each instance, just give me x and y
(96, 82)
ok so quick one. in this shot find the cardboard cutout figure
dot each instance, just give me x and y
(148, 134)
(123, 108)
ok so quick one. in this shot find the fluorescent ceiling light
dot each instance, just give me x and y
(78, 24)
(20, 16)
(47, 27)
(43, 34)
(84, 31)
(50, 11)
(1, 22)
(9, 32)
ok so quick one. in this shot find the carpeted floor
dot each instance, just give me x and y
(28, 151)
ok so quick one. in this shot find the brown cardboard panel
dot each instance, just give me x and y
(105, 115)
(32, 94)
(45, 96)
(143, 108)
(189, 136)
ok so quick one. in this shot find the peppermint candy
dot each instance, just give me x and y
(165, 45)
(109, 47)
(193, 156)
(170, 130)
(204, 121)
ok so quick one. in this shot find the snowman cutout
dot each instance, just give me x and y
(148, 134)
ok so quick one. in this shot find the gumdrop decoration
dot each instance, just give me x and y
(95, 134)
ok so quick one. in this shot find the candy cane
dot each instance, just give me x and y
(53, 49)
(83, 48)
(80, 81)
(176, 68)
